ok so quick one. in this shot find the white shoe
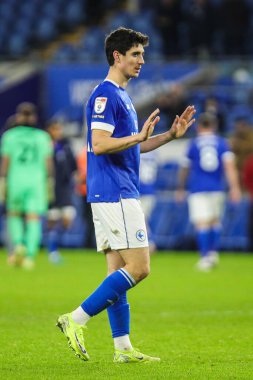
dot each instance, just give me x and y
(55, 257)
(18, 255)
(204, 264)
(213, 257)
(28, 263)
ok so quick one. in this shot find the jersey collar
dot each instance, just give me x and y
(109, 80)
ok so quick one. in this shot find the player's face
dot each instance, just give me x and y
(132, 61)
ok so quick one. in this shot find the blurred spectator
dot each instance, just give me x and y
(241, 142)
(167, 15)
(207, 160)
(25, 168)
(148, 176)
(200, 18)
(212, 106)
(247, 177)
(236, 38)
(61, 212)
(81, 189)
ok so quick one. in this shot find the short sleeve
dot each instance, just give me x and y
(6, 145)
(226, 152)
(104, 111)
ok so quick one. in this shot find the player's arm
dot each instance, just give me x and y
(182, 177)
(232, 178)
(50, 178)
(104, 143)
(178, 129)
(3, 174)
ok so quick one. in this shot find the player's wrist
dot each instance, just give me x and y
(169, 136)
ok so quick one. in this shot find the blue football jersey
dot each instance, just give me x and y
(112, 176)
(205, 160)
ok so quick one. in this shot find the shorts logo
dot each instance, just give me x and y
(141, 235)
(100, 104)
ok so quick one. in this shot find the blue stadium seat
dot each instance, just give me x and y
(167, 176)
(66, 52)
(234, 234)
(120, 19)
(45, 30)
(172, 229)
(73, 13)
(17, 46)
(169, 225)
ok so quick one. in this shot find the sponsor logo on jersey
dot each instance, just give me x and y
(98, 116)
(100, 104)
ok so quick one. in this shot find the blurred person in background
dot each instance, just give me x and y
(81, 189)
(200, 17)
(212, 106)
(247, 180)
(235, 40)
(167, 17)
(241, 142)
(26, 169)
(207, 160)
(148, 176)
(61, 211)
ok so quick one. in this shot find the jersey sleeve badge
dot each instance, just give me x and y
(100, 104)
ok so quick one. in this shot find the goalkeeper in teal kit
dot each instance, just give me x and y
(26, 163)
(114, 147)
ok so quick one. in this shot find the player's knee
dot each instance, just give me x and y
(142, 273)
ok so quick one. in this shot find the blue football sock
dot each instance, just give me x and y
(108, 292)
(119, 317)
(203, 238)
(53, 239)
(215, 237)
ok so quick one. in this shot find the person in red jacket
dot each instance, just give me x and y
(247, 179)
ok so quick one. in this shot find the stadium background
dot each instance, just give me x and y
(52, 55)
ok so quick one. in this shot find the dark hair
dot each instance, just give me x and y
(122, 40)
(51, 122)
(26, 108)
(207, 120)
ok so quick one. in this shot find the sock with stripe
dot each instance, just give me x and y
(108, 292)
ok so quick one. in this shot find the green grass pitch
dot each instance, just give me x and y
(200, 324)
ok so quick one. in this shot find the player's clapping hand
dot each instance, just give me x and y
(149, 125)
(182, 123)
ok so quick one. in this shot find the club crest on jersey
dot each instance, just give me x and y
(140, 235)
(100, 104)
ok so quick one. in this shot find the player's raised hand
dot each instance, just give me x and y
(149, 125)
(182, 123)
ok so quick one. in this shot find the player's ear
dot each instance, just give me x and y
(116, 56)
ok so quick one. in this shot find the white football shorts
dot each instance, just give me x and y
(119, 225)
(206, 206)
(55, 214)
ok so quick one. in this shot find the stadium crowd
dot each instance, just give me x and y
(187, 28)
